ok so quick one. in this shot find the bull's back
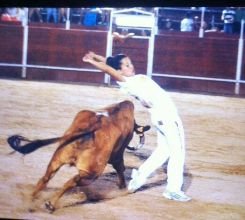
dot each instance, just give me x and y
(109, 142)
(93, 151)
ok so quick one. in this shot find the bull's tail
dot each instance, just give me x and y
(16, 142)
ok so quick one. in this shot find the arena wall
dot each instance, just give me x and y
(181, 61)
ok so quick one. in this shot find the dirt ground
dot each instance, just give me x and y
(215, 157)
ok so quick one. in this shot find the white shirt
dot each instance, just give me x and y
(228, 16)
(147, 91)
(186, 24)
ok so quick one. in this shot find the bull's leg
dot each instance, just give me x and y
(53, 167)
(82, 179)
(120, 168)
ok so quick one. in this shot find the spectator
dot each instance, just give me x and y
(52, 13)
(5, 16)
(186, 24)
(62, 15)
(92, 17)
(13, 14)
(35, 15)
(22, 15)
(168, 25)
(228, 16)
(105, 17)
(196, 24)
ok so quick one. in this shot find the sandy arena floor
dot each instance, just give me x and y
(215, 157)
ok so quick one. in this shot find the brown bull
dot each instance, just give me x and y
(93, 140)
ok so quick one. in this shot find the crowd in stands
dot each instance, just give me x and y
(13, 14)
(83, 16)
(226, 20)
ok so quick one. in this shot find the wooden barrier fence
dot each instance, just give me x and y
(182, 61)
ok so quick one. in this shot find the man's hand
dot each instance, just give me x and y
(120, 37)
(88, 57)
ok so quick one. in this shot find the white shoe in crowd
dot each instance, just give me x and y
(136, 182)
(177, 196)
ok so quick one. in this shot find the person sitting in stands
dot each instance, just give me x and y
(52, 13)
(35, 15)
(186, 24)
(169, 25)
(62, 15)
(13, 14)
(5, 16)
(228, 16)
(92, 17)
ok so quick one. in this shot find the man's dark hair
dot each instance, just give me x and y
(115, 61)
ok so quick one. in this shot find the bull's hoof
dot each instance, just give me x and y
(49, 206)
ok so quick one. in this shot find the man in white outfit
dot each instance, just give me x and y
(187, 23)
(170, 136)
(228, 16)
(164, 116)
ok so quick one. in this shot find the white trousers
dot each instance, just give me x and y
(169, 146)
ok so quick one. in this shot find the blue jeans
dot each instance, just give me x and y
(52, 12)
(228, 28)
